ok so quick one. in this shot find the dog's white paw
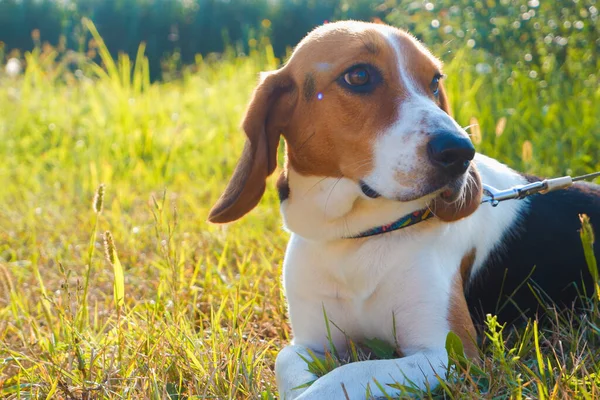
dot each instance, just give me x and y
(292, 372)
(365, 379)
(355, 381)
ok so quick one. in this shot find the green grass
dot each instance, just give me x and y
(184, 308)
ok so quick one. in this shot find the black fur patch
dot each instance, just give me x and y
(283, 187)
(547, 238)
(309, 87)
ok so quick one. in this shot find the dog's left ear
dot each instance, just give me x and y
(463, 206)
(267, 115)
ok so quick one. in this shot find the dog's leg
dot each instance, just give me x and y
(292, 371)
(354, 381)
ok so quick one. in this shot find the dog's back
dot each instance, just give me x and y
(540, 258)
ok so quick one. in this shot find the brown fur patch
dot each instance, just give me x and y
(334, 136)
(459, 317)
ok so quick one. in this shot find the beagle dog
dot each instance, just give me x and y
(381, 193)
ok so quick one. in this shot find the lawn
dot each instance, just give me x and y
(183, 309)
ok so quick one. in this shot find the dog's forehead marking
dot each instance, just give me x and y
(391, 36)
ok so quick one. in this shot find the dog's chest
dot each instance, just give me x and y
(346, 270)
(362, 286)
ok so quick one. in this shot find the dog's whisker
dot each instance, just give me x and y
(315, 185)
(347, 227)
(330, 192)
(362, 162)
(469, 126)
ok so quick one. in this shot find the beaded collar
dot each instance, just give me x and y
(406, 221)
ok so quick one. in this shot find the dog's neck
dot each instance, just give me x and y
(325, 208)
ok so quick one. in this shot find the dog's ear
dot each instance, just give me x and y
(443, 100)
(267, 115)
(463, 206)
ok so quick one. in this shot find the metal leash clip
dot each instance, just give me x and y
(495, 196)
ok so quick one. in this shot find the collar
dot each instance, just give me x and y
(406, 221)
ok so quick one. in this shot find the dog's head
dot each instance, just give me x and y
(361, 101)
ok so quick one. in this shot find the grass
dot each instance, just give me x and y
(183, 309)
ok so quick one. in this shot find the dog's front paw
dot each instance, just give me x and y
(379, 378)
(292, 372)
(355, 381)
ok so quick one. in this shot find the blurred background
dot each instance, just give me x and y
(534, 35)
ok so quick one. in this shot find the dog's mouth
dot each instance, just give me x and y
(368, 190)
(450, 202)
(449, 193)
(453, 191)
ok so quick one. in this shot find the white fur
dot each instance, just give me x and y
(365, 284)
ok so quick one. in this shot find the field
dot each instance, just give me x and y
(184, 309)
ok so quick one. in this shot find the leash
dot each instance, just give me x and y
(495, 196)
(490, 195)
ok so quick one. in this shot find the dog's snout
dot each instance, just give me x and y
(450, 152)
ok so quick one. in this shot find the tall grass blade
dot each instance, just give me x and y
(107, 59)
(587, 239)
(118, 277)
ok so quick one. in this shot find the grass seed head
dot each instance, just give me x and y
(109, 248)
(99, 199)
(588, 231)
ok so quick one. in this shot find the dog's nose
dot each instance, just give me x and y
(450, 152)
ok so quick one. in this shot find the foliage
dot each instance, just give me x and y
(535, 36)
(202, 312)
(174, 31)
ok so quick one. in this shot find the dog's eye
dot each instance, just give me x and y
(434, 86)
(357, 77)
(361, 78)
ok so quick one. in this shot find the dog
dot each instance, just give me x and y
(381, 192)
